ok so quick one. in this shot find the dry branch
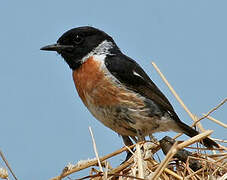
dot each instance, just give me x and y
(216, 121)
(212, 110)
(7, 164)
(80, 166)
(95, 149)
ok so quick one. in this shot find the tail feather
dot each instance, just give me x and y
(192, 132)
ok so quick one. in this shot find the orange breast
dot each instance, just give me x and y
(91, 83)
(95, 87)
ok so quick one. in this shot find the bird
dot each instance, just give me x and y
(115, 89)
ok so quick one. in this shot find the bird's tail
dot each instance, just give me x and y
(192, 132)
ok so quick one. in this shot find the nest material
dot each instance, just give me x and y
(142, 165)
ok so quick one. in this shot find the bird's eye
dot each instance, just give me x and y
(78, 39)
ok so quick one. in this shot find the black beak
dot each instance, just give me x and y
(57, 47)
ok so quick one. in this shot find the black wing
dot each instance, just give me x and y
(128, 72)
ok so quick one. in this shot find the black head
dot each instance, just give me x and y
(76, 43)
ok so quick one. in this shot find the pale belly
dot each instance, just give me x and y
(127, 121)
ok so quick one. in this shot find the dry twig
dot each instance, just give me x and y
(216, 121)
(7, 164)
(212, 110)
(95, 149)
(90, 163)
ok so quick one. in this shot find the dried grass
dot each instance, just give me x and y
(142, 165)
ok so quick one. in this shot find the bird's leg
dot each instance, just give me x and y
(127, 142)
(140, 136)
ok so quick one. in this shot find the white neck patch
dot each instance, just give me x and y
(101, 50)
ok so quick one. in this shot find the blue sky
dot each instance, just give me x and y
(44, 124)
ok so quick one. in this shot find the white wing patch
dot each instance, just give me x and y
(136, 74)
